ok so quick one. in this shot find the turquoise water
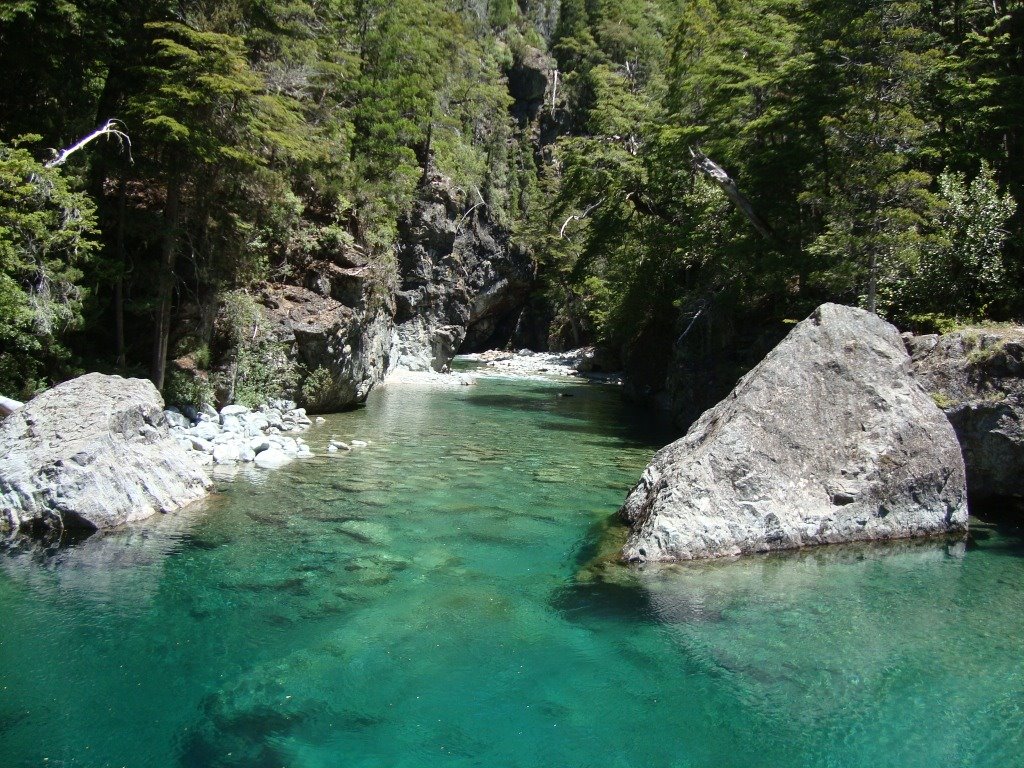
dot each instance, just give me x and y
(425, 602)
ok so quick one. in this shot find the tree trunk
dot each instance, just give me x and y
(873, 283)
(165, 283)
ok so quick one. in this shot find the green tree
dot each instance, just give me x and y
(47, 235)
(961, 272)
(212, 133)
(875, 199)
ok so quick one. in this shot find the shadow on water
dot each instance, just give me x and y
(244, 739)
(997, 526)
(517, 402)
(624, 436)
(595, 598)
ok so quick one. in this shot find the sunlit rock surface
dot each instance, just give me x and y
(93, 452)
(827, 440)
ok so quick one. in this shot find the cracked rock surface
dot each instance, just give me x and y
(93, 452)
(829, 439)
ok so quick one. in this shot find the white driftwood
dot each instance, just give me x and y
(110, 128)
(8, 406)
(578, 217)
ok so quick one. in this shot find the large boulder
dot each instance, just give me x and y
(827, 440)
(93, 452)
(977, 377)
(346, 349)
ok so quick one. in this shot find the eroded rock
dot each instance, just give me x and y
(829, 439)
(94, 452)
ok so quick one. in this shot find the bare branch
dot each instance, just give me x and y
(467, 214)
(578, 217)
(110, 128)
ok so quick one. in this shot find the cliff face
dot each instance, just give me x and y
(459, 284)
(340, 322)
(977, 377)
(463, 283)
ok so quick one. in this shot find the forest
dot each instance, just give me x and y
(710, 164)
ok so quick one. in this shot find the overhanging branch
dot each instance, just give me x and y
(578, 217)
(110, 128)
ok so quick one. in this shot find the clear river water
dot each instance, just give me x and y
(432, 600)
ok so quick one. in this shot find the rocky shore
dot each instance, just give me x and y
(975, 376)
(586, 362)
(239, 435)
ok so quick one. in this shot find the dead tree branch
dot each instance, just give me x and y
(578, 217)
(110, 128)
(717, 174)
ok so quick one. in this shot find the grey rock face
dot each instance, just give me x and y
(976, 377)
(93, 452)
(352, 346)
(529, 82)
(462, 282)
(827, 440)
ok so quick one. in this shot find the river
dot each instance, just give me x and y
(432, 600)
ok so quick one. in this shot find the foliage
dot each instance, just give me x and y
(270, 135)
(963, 270)
(834, 120)
(47, 235)
(260, 369)
(189, 388)
(317, 389)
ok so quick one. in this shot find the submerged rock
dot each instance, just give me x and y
(93, 452)
(975, 376)
(827, 440)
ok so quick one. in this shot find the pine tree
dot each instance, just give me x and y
(876, 55)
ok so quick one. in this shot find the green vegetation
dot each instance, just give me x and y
(875, 147)
(874, 140)
(263, 135)
(943, 400)
(46, 240)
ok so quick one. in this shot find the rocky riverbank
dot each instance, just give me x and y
(239, 435)
(975, 376)
(586, 362)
